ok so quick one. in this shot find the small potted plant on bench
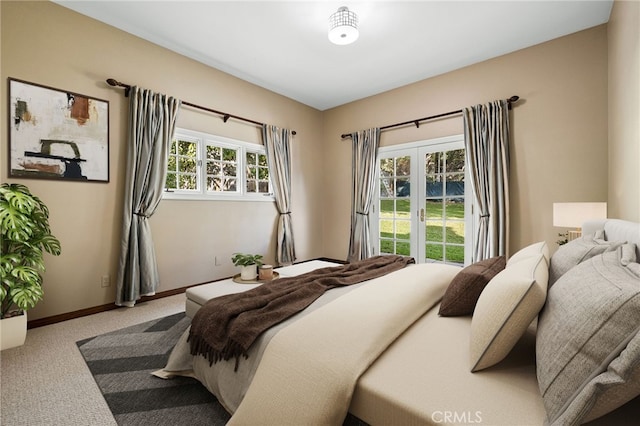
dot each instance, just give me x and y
(249, 264)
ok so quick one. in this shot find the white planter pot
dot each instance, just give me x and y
(248, 273)
(13, 331)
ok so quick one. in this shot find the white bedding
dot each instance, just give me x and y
(309, 381)
(366, 316)
(222, 379)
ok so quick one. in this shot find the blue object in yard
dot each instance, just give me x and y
(434, 189)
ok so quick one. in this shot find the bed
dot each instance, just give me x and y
(382, 351)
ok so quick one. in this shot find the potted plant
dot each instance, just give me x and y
(249, 264)
(25, 235)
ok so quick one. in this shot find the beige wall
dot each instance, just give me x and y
(623, 32)
(559, 130)
(51, 45)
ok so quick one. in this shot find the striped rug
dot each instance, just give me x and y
(121, 363)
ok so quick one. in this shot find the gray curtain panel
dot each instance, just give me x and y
(279, 159)
(364, 162)
(152, 119)
(486, 130)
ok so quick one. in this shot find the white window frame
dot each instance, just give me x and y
(203, 140)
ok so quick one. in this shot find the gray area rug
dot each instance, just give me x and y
(122, 361)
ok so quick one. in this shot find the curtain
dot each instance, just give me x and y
(486, 130)
(364, 160)
(279, 160)
(152, 119)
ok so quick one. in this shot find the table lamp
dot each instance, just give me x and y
(573, 215)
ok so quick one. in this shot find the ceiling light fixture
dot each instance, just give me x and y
(343, 27)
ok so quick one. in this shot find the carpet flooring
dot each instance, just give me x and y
(121, 363)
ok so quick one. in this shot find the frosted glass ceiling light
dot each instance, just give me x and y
(343, 27)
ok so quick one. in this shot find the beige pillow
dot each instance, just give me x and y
(506, 307)
(529, 251)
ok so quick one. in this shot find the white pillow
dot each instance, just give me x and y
(506, 307)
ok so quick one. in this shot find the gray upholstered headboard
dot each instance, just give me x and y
(615, 230)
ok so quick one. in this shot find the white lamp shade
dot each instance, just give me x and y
(573, 215)
(343, 27)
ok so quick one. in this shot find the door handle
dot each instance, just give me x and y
(421, 215)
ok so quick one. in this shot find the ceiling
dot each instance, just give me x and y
(283, 45)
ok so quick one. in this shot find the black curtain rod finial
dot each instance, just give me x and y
(115, 83)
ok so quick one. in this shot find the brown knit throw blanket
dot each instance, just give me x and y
(225, 327)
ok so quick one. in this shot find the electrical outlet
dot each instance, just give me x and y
(216, 261)
(106, 281)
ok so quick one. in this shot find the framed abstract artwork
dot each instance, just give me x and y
(57, 134)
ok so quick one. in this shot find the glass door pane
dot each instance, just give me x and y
(444, 206)
(394, 205)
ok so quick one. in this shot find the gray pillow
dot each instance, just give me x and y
(577, 251)
(587, 353)
(613, 388)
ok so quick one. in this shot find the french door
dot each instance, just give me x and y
(421, 207)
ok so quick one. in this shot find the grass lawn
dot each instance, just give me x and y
(398, 225)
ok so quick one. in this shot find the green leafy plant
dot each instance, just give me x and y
(241, 259)
(25, 233)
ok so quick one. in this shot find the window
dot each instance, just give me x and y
(206, 167)
(222, 169)
(182, 169)
(257, 173)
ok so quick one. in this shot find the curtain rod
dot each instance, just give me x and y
(511, 100)
(225, 115)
